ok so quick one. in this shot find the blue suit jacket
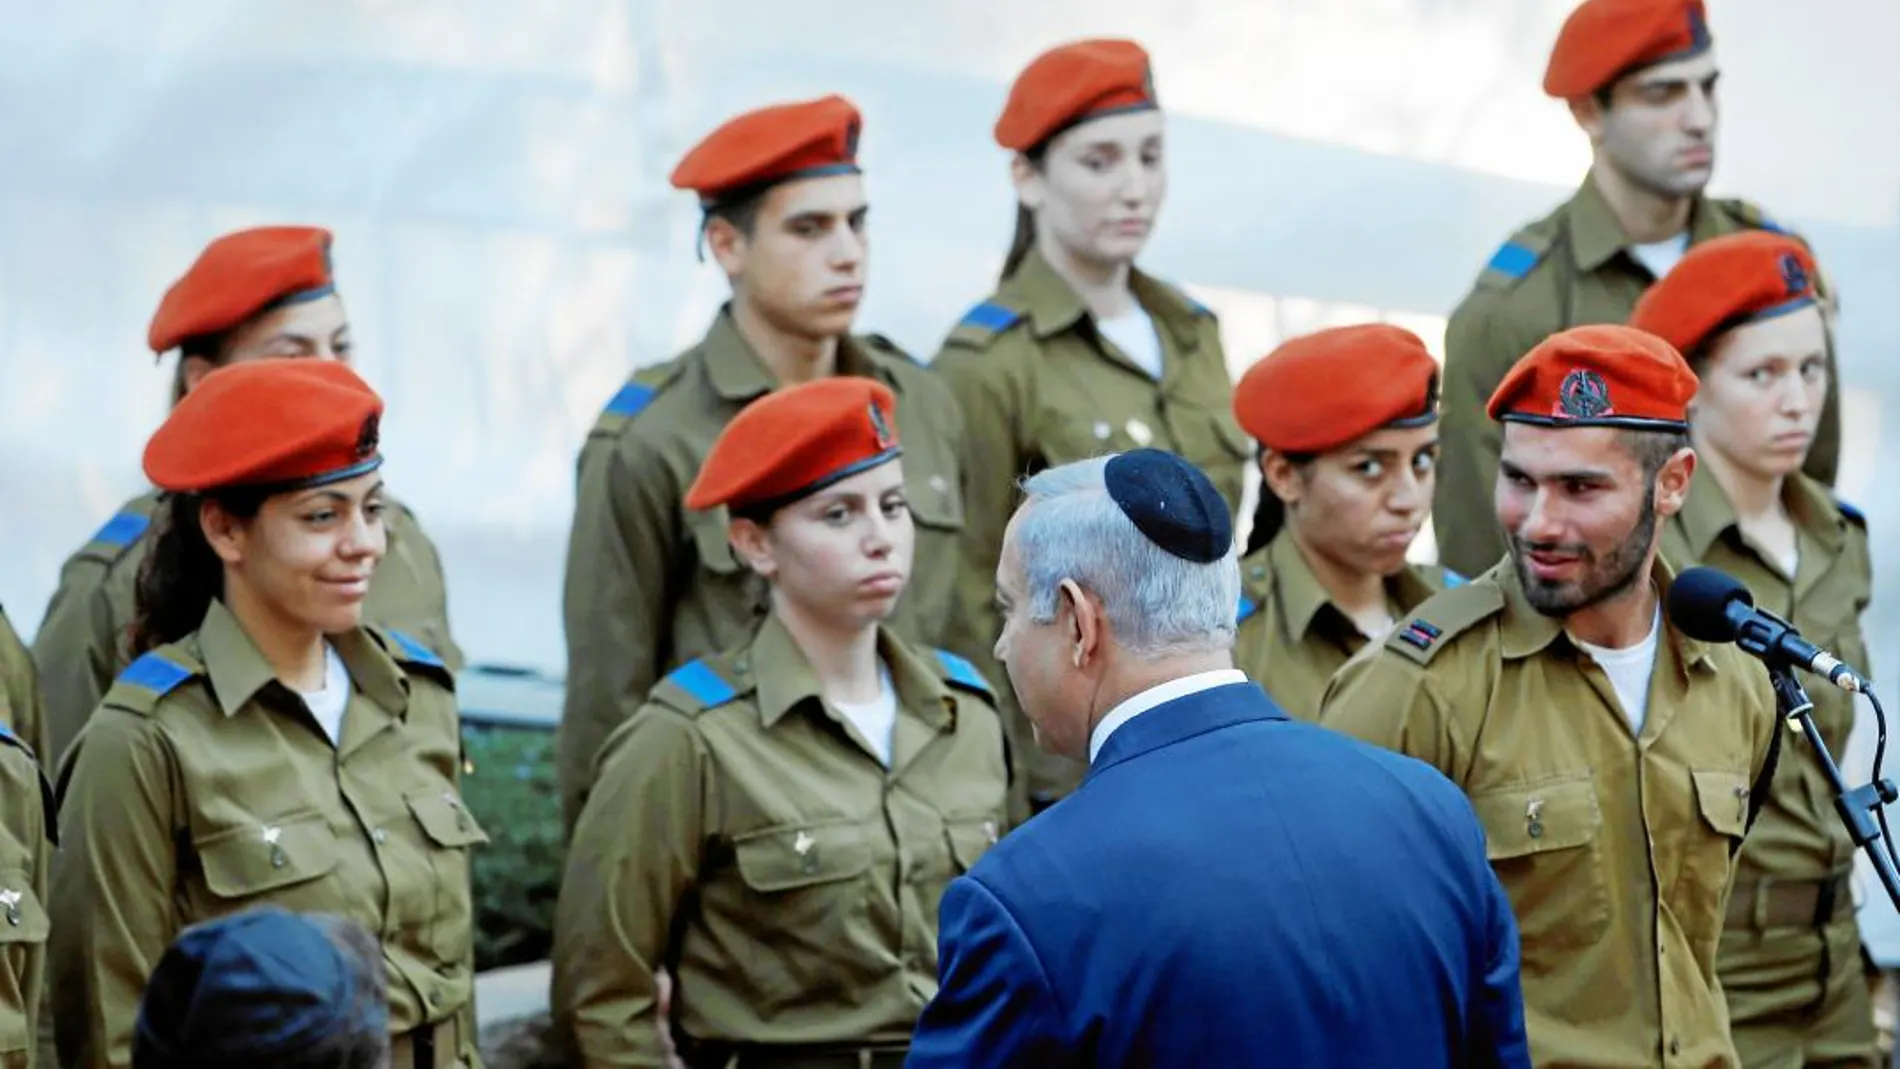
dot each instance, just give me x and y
(1232, 888)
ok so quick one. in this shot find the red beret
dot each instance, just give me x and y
(1324, 390)
(283, 423)
(807, 139)
(794, 442)
(1754, 274)
(1598, 376)
(1602, 39)
(240, 275)
(1071, 83)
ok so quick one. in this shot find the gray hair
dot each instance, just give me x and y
(1159, 605)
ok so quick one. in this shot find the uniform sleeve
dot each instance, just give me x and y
(620, 587)
(995, 1004)
(112, 905)
(76, 652)
(633, 860)
(1480, 348)
(1380, 698)
(426, 562)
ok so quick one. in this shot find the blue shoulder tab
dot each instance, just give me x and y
(1248, 607)
(1853, 514)
(990, 317)
(1512, 260)
(698, 679)
(155, 674)
(631, 399)
(123, 529)
(1452, 579)
(7, 735)
(413, 650)
(962, 672)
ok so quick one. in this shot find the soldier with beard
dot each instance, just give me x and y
(1615, 763)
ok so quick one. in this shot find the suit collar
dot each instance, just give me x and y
(1195, 714)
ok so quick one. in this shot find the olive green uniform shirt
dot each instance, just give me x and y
(25, 855)
(1572, 267)
(203, 787)
(745, 837)
(85, 640)
(1617, 849)
(1292, 637)
(1799, 836)
(651, 585)
(1041, 387)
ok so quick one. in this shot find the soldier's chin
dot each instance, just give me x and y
(338, 619)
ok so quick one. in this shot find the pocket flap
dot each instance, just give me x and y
(22, 916)
(248, 861)
(935, 501)
(971, 839)
(786, 858)
(1521, 821)
(1722, 795)
(446, 819)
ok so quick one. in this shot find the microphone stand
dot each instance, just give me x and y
(1857, 807)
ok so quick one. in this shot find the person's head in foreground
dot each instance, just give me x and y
(266, 988)
(1596, 453)
(1117, 574)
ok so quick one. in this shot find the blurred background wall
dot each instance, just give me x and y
(508, 247)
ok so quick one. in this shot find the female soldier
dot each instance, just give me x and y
(266, 747)
(775, 825)
(266, 292)
(1347, 421)
(1743, 310)
(1077, 353)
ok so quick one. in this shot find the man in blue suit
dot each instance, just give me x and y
(1228, 887)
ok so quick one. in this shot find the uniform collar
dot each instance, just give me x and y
(1302, 595)
(739, 375)
(238, 671)
(1708, 514)
(1596, 234)
(784, 678)
(1053, 305)
(1525, 632)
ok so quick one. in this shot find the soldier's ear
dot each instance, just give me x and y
(1281, 478)
(1672, 482)
(752, 544)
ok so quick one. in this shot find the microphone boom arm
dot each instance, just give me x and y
(1857, 806)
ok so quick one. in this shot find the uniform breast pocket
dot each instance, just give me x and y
(1721, 798)
(807, 894)
(283, 860)
(1065, 437)
(23, 930)
(970, 838)
(1544, 841)
(449, 831)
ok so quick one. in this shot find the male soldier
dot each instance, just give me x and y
(650, 586)
(265, 292)
(26, 828)
(1615, 762)
(1639, 76)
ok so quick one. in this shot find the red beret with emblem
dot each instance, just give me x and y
(804, 139)
(240, 275)
(1598, 376)
(1328, 389)
(1074, 83)
(1724, 282)
(1605, 39)
(282, 423)
(794, 442)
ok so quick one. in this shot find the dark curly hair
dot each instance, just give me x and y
(181, 575)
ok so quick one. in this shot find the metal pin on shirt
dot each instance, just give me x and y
(10, 899)
(278, 859)
(1741, 802)
(1532, 812)
(804, 846)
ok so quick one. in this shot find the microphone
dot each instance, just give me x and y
(1713, 606)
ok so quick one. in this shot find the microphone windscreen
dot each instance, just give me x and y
(1698, 604)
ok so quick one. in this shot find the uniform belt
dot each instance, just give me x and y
(1766, 902)
(432, 1046)
(827, 1056)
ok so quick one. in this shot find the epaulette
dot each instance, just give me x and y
(49, 805)
(1194, 307)
(1452, 579)
(118, 534)
(982, 325)
(1443, 617)
(1751, 215)
(412, 654)
(149, 678)
(695, 687)
(634, 397)
(1248, 607)
(961, 673)
(1852, 514)
(1518, 256)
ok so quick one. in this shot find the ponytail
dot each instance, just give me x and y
(181, 574)
(1269, 516)
(1024, 239)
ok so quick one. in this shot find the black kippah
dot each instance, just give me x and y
(1173, 503)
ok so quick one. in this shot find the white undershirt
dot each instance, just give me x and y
(1661, 256)
(877, 718)
(1158, 695)
(1629, 670)
(1134, 334)
(1791, 564)
(328, 704)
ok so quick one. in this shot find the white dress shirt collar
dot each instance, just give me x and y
(1159, 695)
